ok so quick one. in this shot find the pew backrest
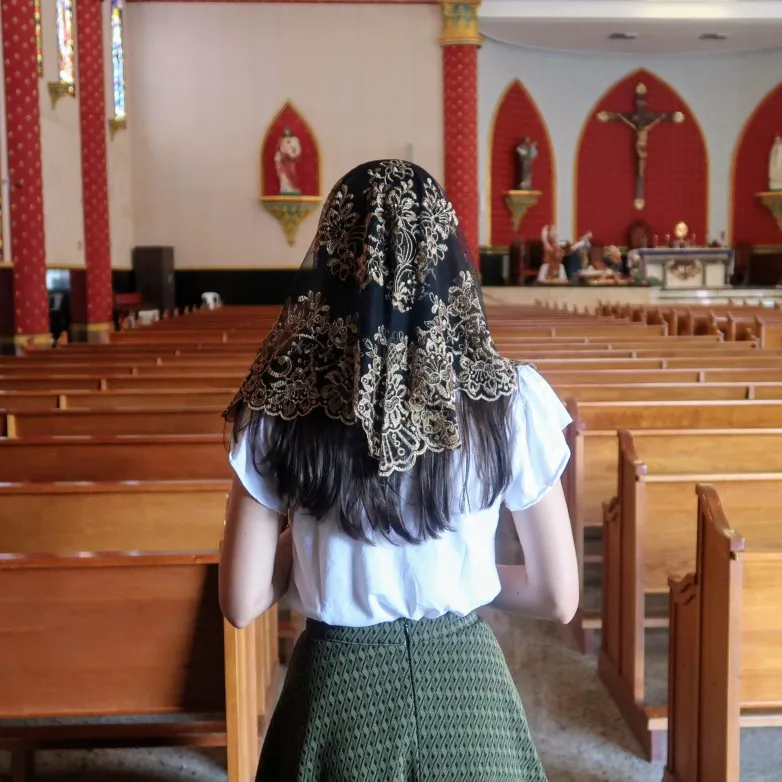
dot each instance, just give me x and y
(134, 516)
(155, 615)
(122, 458)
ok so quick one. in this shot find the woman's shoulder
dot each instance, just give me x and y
(536, 399)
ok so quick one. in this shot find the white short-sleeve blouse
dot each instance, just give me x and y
(346, 582)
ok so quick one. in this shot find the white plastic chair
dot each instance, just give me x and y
(211, 300)
(145, 317)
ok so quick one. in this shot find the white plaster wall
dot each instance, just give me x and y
(207, 79)
(118, 159)
(722, 91)
(60, 159)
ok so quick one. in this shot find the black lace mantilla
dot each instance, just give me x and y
(386, 323)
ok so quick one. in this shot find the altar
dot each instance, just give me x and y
(686, 267)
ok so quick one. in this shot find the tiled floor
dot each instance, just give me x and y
(577, 728)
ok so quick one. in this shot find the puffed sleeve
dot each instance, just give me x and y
(260, 487)
(540, 452)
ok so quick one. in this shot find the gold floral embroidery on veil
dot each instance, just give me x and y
(389, 326)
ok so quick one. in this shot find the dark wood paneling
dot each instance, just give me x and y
(235, 286)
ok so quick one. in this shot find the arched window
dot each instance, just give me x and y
(65, 47)
(118, 60)
(66, 55)
(38, 36)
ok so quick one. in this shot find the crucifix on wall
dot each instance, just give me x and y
(641, 121)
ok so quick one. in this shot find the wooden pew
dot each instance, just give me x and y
(678, 392)
(127, 633)
(158, 398)
(558, 376)
(112, 516)
(725, 667)
(692, 369)
(197, 397)
(50, 423)
(650, 532)
(147, 362)
(591, 476)
(111, 459)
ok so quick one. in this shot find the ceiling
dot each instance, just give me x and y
(661, 26)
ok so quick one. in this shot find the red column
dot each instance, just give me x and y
(461, 40)
(23, 121)
(93, 123)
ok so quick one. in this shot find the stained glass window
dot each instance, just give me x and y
(67, 73)
(38, 36)
(118, 59)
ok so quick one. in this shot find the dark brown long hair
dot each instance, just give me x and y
(322, 466)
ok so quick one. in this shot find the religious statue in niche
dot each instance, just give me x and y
(641, 121)
(524, 197)
(285, 162)
(775, 165)
(526, 151)
(289, 170)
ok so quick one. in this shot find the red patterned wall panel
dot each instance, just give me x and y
(23, 120)
(307, 165)
(517, 116)
(752, 222)
(676, 175)
(92, 119)
(460, 122)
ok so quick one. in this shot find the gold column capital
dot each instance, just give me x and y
(460, 23)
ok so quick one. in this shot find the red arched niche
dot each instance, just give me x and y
(752, 222)
(308, 164)
(517, 116)
(677, 170)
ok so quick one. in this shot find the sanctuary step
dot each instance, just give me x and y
(589, 297)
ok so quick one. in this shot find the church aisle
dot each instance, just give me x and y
(578, 730)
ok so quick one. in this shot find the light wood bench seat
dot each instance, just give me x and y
(591, 477)
(650, 532)
(566, 371)
(159, 398)
(122, 458)
(127, 421)
(104, 643)
(674, 392)
(220, 364)
(112, 516)
(725, 666)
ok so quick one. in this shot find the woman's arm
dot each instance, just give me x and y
(256, 559)
(546, 585)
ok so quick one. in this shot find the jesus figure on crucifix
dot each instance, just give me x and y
(640, 121)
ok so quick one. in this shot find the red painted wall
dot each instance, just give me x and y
(752, 222)
(676, 174)
(516, 117)
(308, 165)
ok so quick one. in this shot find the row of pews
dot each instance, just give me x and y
(733, 320)
(112, 635)
(121, 448)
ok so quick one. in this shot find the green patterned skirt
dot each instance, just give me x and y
(404, 701)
